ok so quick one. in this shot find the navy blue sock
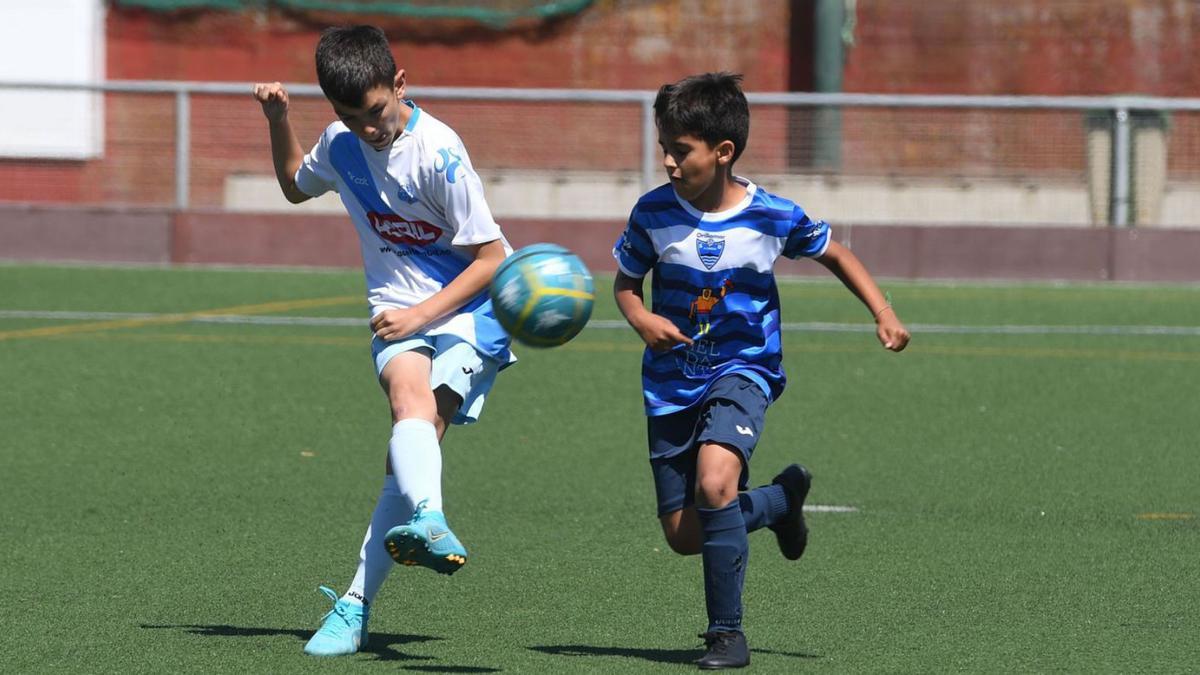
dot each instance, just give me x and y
(725, 553)
(763, 506)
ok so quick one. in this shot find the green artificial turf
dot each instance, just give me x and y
(173, 491)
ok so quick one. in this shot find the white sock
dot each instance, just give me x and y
(374, 562)
(417, 462)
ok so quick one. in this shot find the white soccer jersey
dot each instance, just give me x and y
(414, 205)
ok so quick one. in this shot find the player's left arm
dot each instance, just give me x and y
(393, 324)
(846, 266)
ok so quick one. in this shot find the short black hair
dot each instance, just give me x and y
(352, 60)
(710, 106)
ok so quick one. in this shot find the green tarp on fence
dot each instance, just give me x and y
(495, 13)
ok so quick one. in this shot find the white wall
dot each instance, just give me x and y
(51, 41)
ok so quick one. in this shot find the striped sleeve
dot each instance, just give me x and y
(634, 251)
(807, 238)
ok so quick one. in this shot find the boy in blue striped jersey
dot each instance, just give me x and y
(713, 363)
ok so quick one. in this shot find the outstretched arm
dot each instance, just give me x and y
(656, 331)
(846, 266)
(285, 149)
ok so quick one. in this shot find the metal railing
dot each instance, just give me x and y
(1118, 109)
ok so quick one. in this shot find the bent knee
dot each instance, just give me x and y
(407, 402)
(714, 494)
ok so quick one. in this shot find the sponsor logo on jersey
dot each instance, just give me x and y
(709, 247)
(448, 162)
(406, 195)
(397, 230)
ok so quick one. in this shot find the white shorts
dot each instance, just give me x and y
(456, 364)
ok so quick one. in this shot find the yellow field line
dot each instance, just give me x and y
(183, 317)
(1166, 516)
(362, 341)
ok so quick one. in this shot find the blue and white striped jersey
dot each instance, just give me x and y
(714, 278)
(416, 207)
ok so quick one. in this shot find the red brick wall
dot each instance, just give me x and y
(917, 46)
(1047, 47)
(927, 46)
(615, 44)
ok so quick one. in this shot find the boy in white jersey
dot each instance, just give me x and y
(712, 363)
(429, 247)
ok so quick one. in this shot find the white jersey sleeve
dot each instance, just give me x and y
(316, 174)
(458, 191)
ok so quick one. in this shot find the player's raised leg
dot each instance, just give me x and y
(416, 456)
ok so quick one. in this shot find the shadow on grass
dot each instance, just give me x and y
(654, 655)
(382, 645)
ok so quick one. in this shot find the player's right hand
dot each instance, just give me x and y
(660, 334)
(274, 100)
(891, 333)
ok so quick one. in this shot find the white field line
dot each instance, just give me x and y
(608, 324)
(829, 508)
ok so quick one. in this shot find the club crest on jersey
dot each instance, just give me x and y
(405, 194)
(709, 247)
(447, 161)
(397, 230)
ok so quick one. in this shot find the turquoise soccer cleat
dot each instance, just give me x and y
(426, 540)
(343, 630)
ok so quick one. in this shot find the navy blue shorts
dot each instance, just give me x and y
(731, 413)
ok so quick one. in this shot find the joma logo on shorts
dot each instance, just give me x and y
(397, 230)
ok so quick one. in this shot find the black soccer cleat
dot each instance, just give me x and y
(724, 650)
(791, 532)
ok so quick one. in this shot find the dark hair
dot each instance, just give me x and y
(352, 60)
(710, 106)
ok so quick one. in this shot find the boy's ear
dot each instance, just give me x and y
(725, 151)
(398, 83)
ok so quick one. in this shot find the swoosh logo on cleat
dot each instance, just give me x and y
(437, 537)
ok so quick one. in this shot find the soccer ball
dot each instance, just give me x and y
(542, 295)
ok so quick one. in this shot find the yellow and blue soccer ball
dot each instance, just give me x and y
(542, 295)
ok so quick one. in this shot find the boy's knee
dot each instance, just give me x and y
(408, 402)
(714, 493)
